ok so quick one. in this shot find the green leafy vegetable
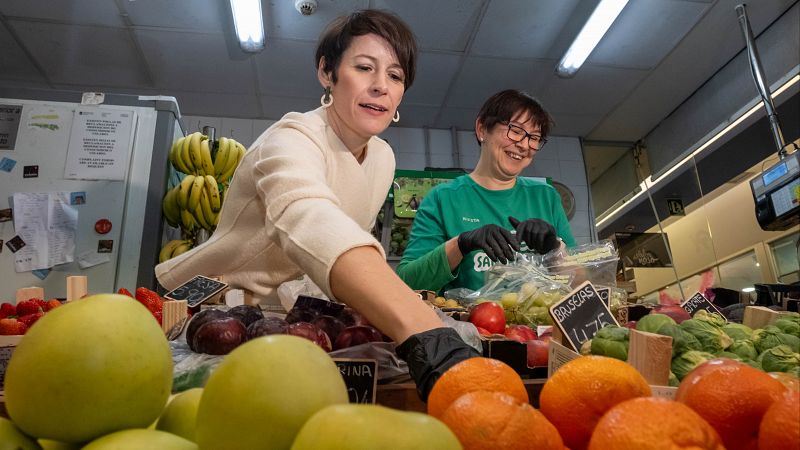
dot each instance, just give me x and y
(738, 331)
(686, 362)
(713, 318)
(611, 341)
(682, 340)
(652, 322)
(744, 348)
(780, 358)
(712, 338)
(772, 336)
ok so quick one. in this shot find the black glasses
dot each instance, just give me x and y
(517, 134)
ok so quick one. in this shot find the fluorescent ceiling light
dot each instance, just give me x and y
(249, 24)
(748, 289)
(649, 182)
(599, 22)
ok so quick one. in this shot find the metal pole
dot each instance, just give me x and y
(758, 78)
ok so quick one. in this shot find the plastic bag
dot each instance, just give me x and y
(466, 330)
(524, 288)
(290, 290)
(595, 262)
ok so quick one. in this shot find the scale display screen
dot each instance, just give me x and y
(775, 173)
(786, 198)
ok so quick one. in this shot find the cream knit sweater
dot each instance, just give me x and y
(298, 201)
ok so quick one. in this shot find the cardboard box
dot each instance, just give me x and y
(7, 346)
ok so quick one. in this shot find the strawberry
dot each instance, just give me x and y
(26, 307)
(7, 310)
(39, 302)
(11, 327)
(52, 304)
(149, 299)
(158, 316)
(124, 291)
(30, 319)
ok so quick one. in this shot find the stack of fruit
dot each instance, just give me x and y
(195, 202)
(17, 319)
(150, 299)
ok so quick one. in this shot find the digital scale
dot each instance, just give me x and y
(777, 194)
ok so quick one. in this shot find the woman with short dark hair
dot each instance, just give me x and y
(462, 228)
(308, 191)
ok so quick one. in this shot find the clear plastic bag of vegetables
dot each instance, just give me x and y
(523, 287)
(595, 262)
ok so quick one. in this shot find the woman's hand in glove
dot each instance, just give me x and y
(538, 234)
(497, 242)
(430, 353)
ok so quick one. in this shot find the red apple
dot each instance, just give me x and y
(483, 331)
(537, 352)
(489, 316)
(355, 335)
(310, 332)
(219, 336)
(520, 333)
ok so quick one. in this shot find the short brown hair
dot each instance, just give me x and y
(337, 37)
(502, 106)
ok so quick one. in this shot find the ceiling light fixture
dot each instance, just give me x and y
(599, 22)
(249, 24)
(748, 289)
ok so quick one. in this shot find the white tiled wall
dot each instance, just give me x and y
(561, 159)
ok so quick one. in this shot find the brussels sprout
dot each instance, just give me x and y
(772, 336)
(712, 339)
(738, 331)
(652, 322)
(744, 348)
(788, 326)
(673, 380)
(729, 355)
(780, 358)
(686, 362)
(612, 342)
(682, 340)
(713, 318)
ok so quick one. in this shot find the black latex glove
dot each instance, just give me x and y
(429, 354)
(538, 234)
(497, 242)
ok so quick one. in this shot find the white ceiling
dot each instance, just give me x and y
(656, 54)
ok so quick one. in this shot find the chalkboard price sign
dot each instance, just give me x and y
(697, 302)
(604, 293)
(360, 377)
(580, 314)
(197, 290)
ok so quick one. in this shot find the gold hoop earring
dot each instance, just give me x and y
(327, 98)
(396, 117)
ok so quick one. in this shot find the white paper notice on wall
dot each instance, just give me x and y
(99, 144)
(46, 223)
(93, 98)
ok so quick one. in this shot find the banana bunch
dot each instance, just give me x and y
(193, 204)
(192, 155)
(174, 248)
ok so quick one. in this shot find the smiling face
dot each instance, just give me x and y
(503, 158)
(368, 90)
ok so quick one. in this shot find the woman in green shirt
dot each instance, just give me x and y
(463, 227)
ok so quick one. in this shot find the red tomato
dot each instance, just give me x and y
(490, 316)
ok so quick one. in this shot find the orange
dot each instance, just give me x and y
(790, 381)
(474, 374)
(732, 397)
(496, 420)
(780, 427)
(582, 390)
(649, 423)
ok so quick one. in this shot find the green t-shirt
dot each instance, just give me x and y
(463, 205)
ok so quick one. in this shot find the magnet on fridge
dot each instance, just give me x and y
(77, 198)
(7, 164)
(102, 226)
(105, 246)
(30, 172)
(15, 244)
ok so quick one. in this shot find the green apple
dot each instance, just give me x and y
(89, 368)
(354, 427)
(139, 439)
(264, 391)
(47, 444)
(12, 438)
(180, 415)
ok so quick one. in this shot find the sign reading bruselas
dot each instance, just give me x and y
(580, 314)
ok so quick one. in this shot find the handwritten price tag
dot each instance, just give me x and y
(581, 314)
(360, 377)
(197, 290)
